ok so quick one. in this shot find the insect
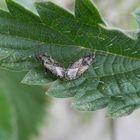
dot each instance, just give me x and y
(79, 67)
(74, 71)
(51, 65)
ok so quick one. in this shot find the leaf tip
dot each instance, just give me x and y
(136, 14)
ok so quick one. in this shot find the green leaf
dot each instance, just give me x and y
(20, 13)
(7, 127)
(36, 77)
(22, 107)
(86, 11)
(123, 105)
(67, 37)
(137, 16)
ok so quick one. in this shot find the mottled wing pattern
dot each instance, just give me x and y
(79, 67)
(51, 65)
(73, 72)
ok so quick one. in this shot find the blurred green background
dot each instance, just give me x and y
(23, 108)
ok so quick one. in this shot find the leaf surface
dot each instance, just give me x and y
(67, 37)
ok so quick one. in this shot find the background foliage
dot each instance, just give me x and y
(21, 107)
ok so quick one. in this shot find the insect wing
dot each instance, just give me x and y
(52, 65)
(79, 67)
(72, 71)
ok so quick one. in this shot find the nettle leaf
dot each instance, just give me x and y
(22, 107)
(137, 15)
(113, 81)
